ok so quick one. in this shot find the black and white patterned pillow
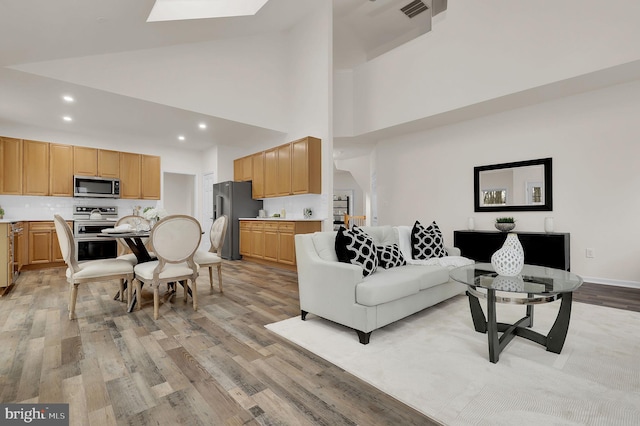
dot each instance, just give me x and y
(390, 256)
(356, 247)
(427, 242)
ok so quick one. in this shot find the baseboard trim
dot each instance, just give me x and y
(616, 283)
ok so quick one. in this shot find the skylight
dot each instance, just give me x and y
(176, 10)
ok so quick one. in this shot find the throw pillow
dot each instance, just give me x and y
(356, 247)
(427, 242)
(390, 256)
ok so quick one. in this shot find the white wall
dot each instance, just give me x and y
(483, 50)
(593, 140)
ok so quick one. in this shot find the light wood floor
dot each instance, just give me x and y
(217, 366)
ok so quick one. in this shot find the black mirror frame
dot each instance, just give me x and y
(548, 187)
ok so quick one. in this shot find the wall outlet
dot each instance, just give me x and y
(589, 253)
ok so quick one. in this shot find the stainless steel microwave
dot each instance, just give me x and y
(96, 187)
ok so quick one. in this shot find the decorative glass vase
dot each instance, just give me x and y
(509, 259)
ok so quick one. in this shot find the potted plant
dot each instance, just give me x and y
(505, 224)
(1, 213)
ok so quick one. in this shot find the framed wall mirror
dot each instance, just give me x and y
(518, 186)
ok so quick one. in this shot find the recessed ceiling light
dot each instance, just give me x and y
(68, 98)
(181, 138)
(67, 118)
(202, 126)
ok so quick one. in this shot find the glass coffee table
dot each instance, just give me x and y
(534, 285)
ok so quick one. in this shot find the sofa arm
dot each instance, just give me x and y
(452, 251)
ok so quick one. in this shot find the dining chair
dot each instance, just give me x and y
(124, 252)
(175, 240)
(350, 221)
(90, 271)
(213, 257)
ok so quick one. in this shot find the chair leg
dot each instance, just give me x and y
(211, 276)
(185, 287)
(194, 294)
(72, 301)
(138, 295)
(122, 289)
(156, 302)
(220, 277)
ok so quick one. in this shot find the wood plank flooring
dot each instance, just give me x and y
(217, 366)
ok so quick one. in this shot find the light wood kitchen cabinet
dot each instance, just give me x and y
(11, 164)
(306, 166)
(273, 241)
(150, 178)
(284, 170)
(35, 168)
(242, 169)
(21, 245)
(271, 173)
(108, 163)
(257, 175)
(6, 266)
(85, 161)
(130, 175)
(43, 243)
(61, 170)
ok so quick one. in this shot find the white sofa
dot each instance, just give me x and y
(338, 292)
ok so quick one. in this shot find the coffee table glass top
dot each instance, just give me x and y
(533, 279)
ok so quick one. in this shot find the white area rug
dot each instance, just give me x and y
(437, 363)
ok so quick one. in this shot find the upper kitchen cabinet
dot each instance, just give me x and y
(35, 169)
(150, 189)
(11, 166)
(108, 163)
(242, 169)
(85, 161)
(271, 173)
(61, 170)
(130, 175)
(284, 170)
(306, 166)
(257, 174)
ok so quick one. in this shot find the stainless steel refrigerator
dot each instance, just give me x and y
(234, 200)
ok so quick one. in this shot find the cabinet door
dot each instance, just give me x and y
(237, 169)
(108, 163)
(61, 168)
(284, 170)
(39, 246)
(257, 240)
(85, 161)
(257, 175)
(271, 241)
(306, 166)
(150, 188)
(270, 173)
(130, 176)
(35, 172)
(11, 164)
(287, 243)
(245, 238)
(56, 253)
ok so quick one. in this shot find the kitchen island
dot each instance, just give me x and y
(271, 240)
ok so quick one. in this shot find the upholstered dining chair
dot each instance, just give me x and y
(213, 257)
(124, 252)
(175, 240)
(350, 221)
(90, 271)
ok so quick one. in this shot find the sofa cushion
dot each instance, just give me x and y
(356, 247)
(383, 235)
(390, 256)
(325, 244)
(427, 242)
(388, 285)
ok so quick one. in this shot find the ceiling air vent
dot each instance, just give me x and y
(414, 8)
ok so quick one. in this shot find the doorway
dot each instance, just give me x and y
(178, 193)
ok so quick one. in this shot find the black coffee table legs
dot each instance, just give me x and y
(554, 341)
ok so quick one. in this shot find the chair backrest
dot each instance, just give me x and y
(350, 221)
(217, 234)
(176, 238)
(134, 221)
(66, 241)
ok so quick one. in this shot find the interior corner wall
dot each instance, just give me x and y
(593, 141)
(484, 50)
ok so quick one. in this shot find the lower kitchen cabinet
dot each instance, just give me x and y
(43, 244)
(6, 264)
(273, 241)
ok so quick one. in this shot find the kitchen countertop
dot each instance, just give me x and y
(283, 219)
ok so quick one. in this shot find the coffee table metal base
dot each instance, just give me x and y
(554, 341)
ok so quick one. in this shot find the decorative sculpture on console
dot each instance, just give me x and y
(509, 259)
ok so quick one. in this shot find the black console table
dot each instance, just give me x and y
(540, 248)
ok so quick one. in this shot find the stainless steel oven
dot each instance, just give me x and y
(85, 230)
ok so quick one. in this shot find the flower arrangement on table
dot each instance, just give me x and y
(154, 214)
